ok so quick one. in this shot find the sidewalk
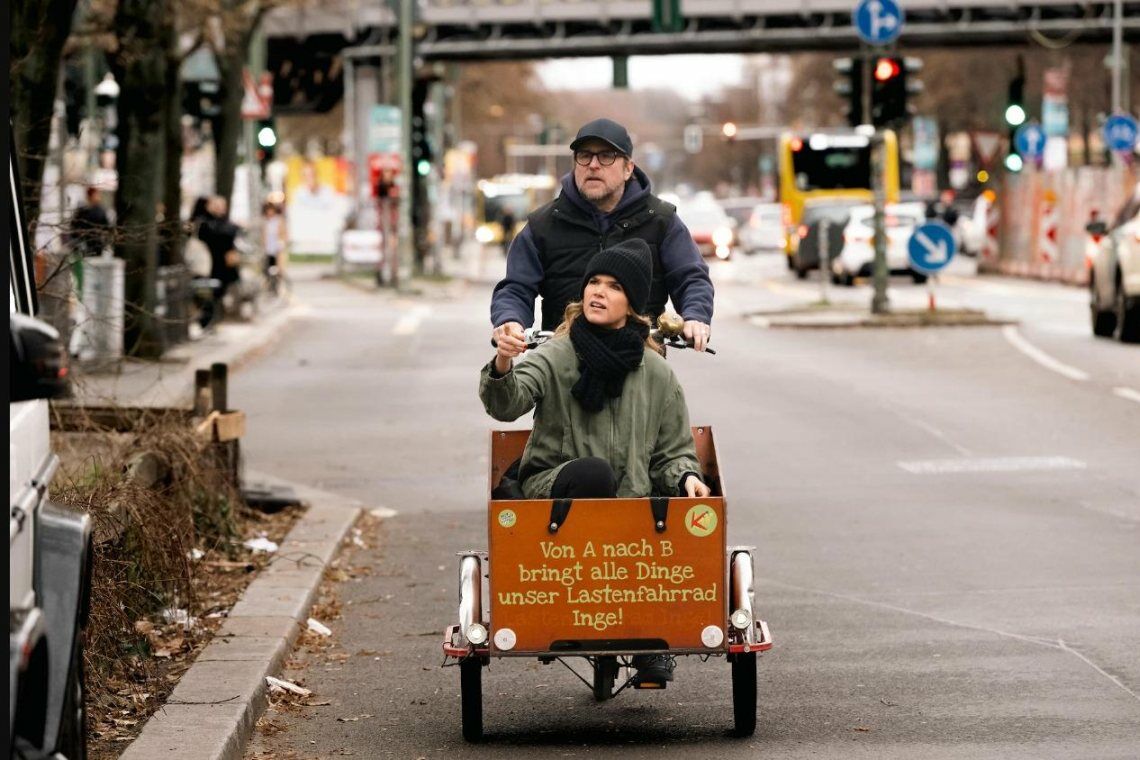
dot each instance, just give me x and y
(170, 381)
(216, 703)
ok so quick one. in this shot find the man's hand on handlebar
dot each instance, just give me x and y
(697, 334)
(509, 336)
(695, 489)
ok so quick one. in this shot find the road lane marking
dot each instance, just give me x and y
(410, 322)
(943, 437)
(1036, 354)
(1127, 393)
(994, 464)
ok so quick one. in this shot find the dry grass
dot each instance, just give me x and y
(168, 563)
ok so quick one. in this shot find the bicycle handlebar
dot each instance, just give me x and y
(535, 338)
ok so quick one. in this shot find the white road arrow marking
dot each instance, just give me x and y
(937, 253)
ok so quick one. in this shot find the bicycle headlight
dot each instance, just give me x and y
(476, 633)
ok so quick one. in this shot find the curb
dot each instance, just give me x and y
(822, 319)
(213, 709)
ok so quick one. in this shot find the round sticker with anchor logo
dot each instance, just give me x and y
(700, 520)
(507, 518)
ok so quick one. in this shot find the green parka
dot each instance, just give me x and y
(644, 434)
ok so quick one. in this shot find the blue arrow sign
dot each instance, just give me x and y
(1120, 132)
(931, 247)
(1029, 141)
(877, 22)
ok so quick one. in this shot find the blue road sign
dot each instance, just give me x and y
(1120, 132)
(931, 247)
(877, 22)
(1029, 141)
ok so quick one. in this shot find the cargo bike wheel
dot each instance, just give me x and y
(471, 695)
(605, 675)
(743, 693)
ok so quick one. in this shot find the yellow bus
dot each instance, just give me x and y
(829, 165)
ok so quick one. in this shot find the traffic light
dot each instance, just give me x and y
(422, 153)
(1015, 115)
(888, 91)
(266, 132)
(729, 130)
(850, 86)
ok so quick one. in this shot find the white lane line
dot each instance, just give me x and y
(996, 464)
(1127, 393)
(1036, 354)
(410, 322)
(942, 437)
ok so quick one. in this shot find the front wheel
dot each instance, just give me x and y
(605, 674)
(471, 693)
(72, 742)
(1127, 316)
(744, 693)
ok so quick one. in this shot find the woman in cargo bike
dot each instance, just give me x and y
(610, 418)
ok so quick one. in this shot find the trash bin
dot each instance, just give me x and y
(172, 296)
(100, 313)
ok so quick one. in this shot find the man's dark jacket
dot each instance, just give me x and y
(549, 256)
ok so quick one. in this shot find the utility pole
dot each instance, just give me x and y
(1117, 55)
(404, 72)
(880, 303)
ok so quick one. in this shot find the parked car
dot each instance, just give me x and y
(759, 226)
(712, 229)
(857, 256)
(806, 237)
(49, 546)
(1114, 278)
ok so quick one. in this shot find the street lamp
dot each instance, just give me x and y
(729, 129)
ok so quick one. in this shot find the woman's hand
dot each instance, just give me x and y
(695, 489)
(509, 343)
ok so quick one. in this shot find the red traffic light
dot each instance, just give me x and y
(886, 69)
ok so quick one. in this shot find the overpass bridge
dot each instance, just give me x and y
(521, 29)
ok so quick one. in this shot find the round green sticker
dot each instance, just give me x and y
(700, 520)
(507, 518)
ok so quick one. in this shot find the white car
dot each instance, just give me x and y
(1114, 279)
(48, 545)
(856, 259)
(764, 230)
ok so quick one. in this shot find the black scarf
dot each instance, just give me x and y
(605, 357)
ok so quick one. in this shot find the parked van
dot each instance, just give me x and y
(49, 545)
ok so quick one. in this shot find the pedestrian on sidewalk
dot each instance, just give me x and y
(88, 233)
(274, 240)
(604, 200)
(220, 236)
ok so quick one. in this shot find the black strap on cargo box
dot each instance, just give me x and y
(660, 507)
(559, 511)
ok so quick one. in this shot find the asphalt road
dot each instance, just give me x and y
(947, 523)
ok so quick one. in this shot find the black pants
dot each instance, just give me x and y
(585, 478)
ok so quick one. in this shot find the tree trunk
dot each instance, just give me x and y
(140, 67)
(229, 134)
(36, 37)
(171, 243)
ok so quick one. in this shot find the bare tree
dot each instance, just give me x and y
(36, 39)
(140, 65)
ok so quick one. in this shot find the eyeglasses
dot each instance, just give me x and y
(586, 157)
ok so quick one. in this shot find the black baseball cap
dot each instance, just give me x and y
(607, 130)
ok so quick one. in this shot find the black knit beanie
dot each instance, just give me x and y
(630, 262)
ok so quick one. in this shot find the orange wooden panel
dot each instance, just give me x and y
(607, 580)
